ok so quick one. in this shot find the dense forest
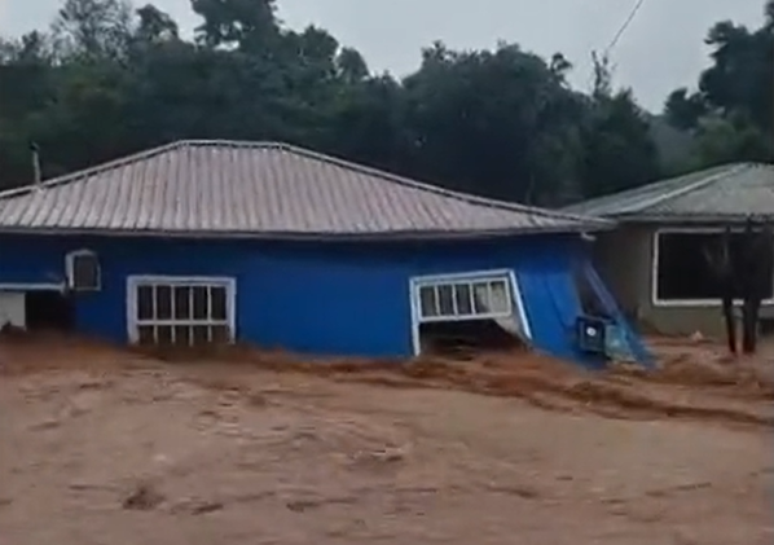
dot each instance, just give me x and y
(107, 79)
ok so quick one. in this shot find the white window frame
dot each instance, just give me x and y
(686, 303)
(135, 281)
(508, 275)
(70, 269)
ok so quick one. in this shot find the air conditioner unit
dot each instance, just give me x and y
(591, 334)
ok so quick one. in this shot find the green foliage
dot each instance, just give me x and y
(107, 80)
(732, 112)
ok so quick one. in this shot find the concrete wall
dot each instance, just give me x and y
(311, 297)
(625, 259)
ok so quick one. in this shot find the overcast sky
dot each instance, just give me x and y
(662, 49)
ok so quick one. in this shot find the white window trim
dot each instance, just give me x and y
(416, 282)
(686, 303)
(134, 281)
(70, 269)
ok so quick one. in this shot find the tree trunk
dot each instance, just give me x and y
(750, 324)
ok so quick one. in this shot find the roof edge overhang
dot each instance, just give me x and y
(391, 236)
(689, 218)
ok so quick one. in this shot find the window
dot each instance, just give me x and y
(464, 298)
(83, 271)
(181, 311)
(683, 272)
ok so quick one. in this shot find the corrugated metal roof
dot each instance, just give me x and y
(261, 189)
(725, 193)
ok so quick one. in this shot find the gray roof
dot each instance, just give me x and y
(268, 190)
(725, 193)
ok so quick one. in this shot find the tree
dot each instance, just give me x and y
(93, 28)
(732, 110)
(107, 80)
(486, 122)
(155, 27)
(248, 25)
(618, 148)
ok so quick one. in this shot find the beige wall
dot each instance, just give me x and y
(624, 258)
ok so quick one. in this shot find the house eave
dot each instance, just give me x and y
(389, 236)
(689, 219)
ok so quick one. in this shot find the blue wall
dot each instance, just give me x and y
(312, 297)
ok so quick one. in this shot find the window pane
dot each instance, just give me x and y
(221, 334)
(201, 334)
(200, 303)
(500, 300)
(446, 300)
(689, 265)
(218, 303)
(464, 299)
(145, 302)
(683, 268)
(183, 335)
(428, 301)
(145, 335)
(163, 302)
(164, 335)
(481, 301)
(182, 303)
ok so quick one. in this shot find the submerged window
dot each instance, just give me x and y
(460, 313)
(181, 312)
(465, 299)
(683, 269)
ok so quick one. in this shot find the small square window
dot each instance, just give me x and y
(83, 271)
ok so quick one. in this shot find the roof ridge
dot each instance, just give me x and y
(680, 191)
(655, 192)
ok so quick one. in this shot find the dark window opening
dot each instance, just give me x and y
(49, 310)
(684, 270)
(83, 270)
(466, 337)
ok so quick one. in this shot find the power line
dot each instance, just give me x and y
(617, 37)
(632, 14)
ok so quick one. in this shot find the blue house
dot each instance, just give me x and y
(203, 241)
